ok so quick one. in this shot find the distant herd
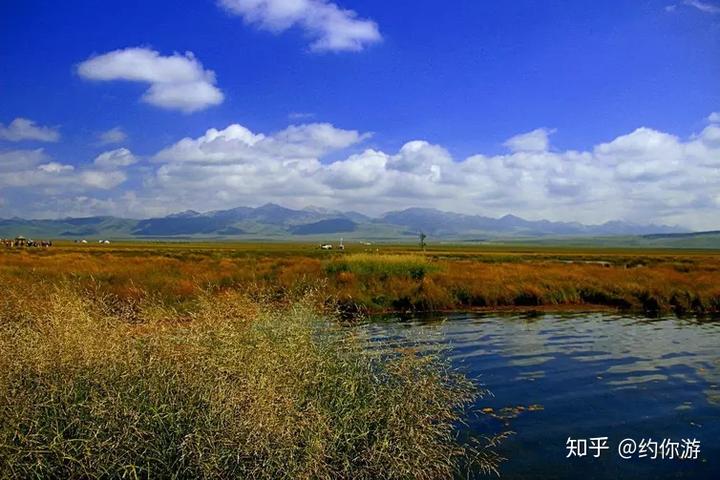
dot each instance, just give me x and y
(25, 242)
(20, 242)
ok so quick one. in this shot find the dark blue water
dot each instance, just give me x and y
(584, 376)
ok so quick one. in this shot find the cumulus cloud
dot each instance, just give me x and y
(644, 154)
(643, 176)
(357, 171)
(330, 27)
(177, 82)
(238, 145)
(29, 169)
(14, 160)
(714, 117)
(54, 167)
(711, 136)
(102, 180)
(24, 129)
(121, 157)
(114, 135)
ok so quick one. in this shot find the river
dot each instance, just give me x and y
(585, 376)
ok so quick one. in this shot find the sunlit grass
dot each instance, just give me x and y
(236, 388)
(387, 277)
(195, 361)
(368, 264)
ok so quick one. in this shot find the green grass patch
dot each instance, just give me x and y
(382, 266)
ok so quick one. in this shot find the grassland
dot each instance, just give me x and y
(228, 360)
(388, 277)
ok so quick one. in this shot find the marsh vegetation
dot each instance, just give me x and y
(393, 278)
(237, 388)
(233, 361)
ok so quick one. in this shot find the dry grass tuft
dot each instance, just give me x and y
(236, 388)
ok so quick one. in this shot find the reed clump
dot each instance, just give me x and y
(235, 387)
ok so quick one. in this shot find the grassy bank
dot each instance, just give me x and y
(387, 278)
(238, 388)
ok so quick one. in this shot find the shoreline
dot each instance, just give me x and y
(540, 310)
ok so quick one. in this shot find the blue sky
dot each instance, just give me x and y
(460, 78)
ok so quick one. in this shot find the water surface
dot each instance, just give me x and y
(588, 375)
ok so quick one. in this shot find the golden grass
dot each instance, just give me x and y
(391, 279)
(238, 388)
(202, 361)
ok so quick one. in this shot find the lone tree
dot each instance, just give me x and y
(422, 241)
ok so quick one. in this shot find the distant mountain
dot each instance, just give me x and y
(272, 217)
(436, 222)
(440, 223)
(67, 227)
(709, 233)
(190, 225)
(333, 225)
(276, 221)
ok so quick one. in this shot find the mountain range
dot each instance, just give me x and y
(274, 221)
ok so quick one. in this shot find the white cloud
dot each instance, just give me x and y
(330, 27)
(31, 169)
(14, 160)
(237, 163)
(103, 180)
(24, 129)
(114, 135)
(711, 135)
(643, 176)
(705, 7)
(420, 157)
(177, 82)
(54, 167)
(714, 117)
(357, 171)
(121, 157)
(236, 144)
(536, 141)
(644, 154)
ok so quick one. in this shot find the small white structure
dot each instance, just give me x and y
(106, 242)
(83, 241)
(341, 246)
(326, 246)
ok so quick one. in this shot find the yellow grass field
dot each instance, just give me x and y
(386, 277)
(175, 360)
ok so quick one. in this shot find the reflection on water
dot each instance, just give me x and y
(595, 375)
